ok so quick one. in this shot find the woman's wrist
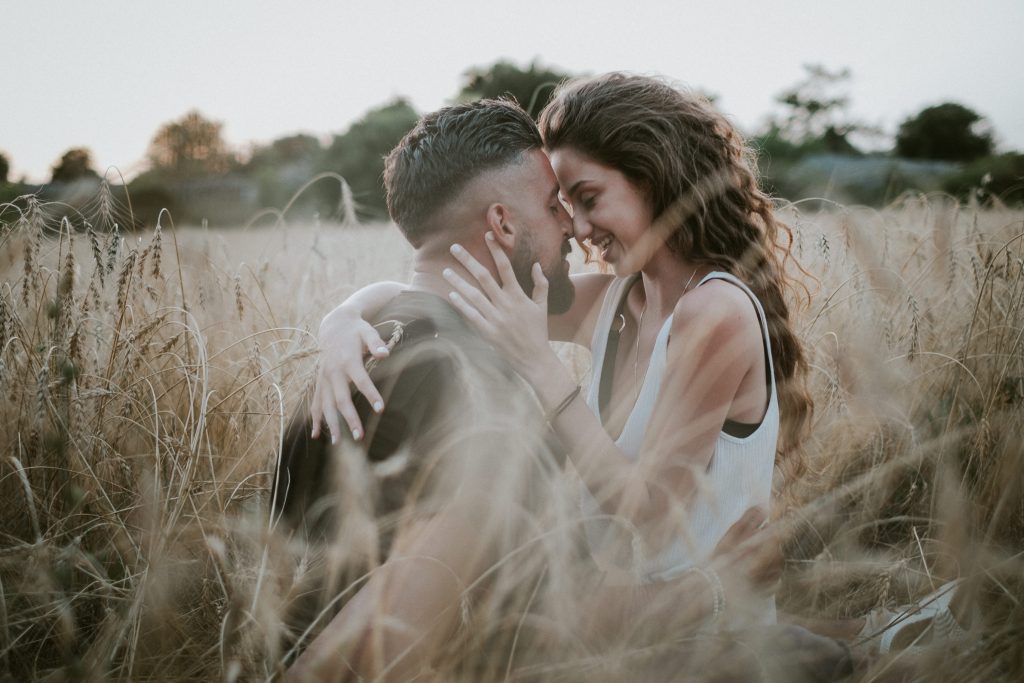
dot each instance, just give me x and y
(342, 316)
(550, 380)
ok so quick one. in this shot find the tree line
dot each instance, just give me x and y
(195, 174)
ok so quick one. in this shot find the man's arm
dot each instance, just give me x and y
(408, 609)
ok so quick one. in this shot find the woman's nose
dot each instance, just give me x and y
(580, 228)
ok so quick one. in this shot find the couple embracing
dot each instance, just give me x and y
(697, 380)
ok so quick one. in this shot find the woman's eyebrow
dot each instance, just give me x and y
(576, 185)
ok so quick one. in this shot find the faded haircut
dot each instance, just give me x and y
(446, 150)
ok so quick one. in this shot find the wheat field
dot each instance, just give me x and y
(147, 378)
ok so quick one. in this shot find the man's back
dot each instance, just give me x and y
(458, 428)
(436, 368)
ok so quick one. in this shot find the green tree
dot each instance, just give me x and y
(816, 117)
(281, 168)
(287, 150)
(358, 154)
(5, 168)
(75, 164)
(189, 147)
(947, 131)
(531, 87)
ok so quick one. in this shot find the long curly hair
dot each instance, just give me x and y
(699, 175)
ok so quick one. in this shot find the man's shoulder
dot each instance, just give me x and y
(429, 325)
(413, 316)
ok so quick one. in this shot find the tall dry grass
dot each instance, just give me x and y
(146, 382)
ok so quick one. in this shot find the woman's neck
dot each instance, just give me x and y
(665, 278)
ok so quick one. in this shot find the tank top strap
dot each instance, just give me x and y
(729, 277)
(610, 306)
(606, 317)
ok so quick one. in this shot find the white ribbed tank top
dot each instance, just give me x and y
(739, 474)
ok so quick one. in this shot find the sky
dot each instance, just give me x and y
(105, 74)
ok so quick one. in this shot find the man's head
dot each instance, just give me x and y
(470, 168)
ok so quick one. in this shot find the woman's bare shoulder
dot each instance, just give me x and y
(716, 310)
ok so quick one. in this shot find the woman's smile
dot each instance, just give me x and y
(603, 243)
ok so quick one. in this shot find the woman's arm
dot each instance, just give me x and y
(708, 358)
(344, 339)
(706, 363)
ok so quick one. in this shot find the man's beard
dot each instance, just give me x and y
(560, 288)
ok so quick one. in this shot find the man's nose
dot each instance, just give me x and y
(568, 227)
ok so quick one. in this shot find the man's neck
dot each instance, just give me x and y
(426, 272)
(428, 264)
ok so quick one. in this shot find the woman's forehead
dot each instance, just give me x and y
(573, 168)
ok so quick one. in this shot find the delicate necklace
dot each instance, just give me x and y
(639, 327)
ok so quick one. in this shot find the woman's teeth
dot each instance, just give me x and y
(604, 243)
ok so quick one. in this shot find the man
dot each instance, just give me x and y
(462, 172)
(461, 448)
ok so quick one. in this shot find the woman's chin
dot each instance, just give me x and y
(623, 265)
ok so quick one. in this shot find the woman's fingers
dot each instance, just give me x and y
(505, 272)
(540, 286)
(374, 344)
(753, 519)
(316, 412)
(365, 385)
(741, 530)
(469, 293)
(339, 384)
(487, 283)
(330, 415)
(471, 314)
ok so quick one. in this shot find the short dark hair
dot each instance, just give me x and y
(444, 151)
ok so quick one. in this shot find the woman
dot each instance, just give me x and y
(695, 357)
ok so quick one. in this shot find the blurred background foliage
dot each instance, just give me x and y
(810, 147)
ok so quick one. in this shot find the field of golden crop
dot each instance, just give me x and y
(146, 380)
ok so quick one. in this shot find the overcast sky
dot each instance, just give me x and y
(105, 74)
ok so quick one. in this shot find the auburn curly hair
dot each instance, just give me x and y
(699, 175)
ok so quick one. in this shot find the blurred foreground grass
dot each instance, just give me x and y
(146, 380)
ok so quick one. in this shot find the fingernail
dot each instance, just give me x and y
(356, 434)
(382, 349)
(456, 249)
(334, 440)
(378, 406)
(447, 272)
(453, 296)
(489, 236)
(312, 434)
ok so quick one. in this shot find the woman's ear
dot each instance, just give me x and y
(499, 222)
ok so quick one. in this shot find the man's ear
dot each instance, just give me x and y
(499, 222)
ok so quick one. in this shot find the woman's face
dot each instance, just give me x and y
(607, 209)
